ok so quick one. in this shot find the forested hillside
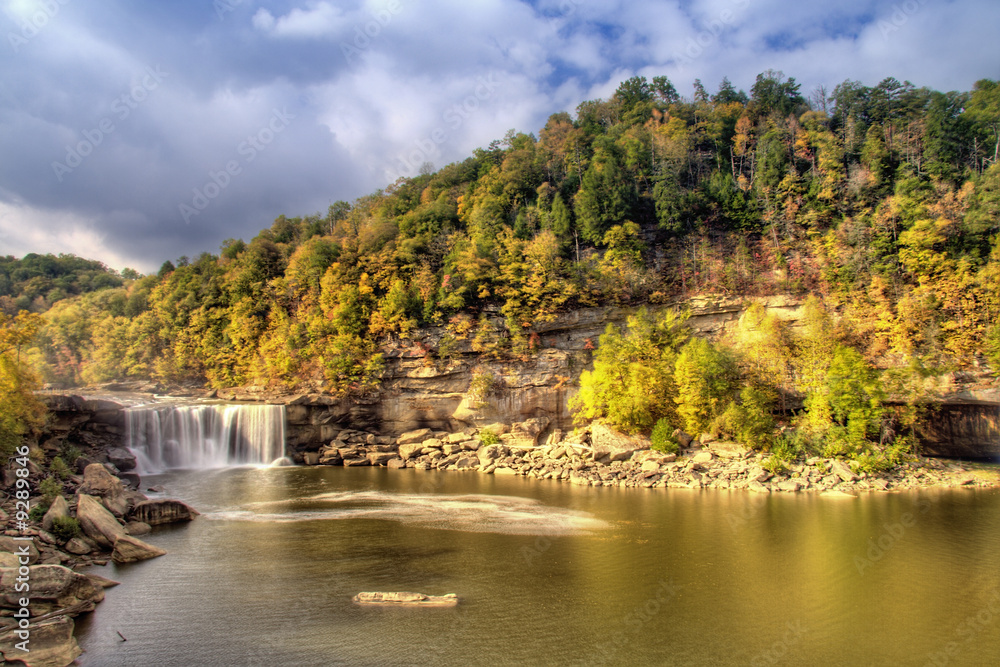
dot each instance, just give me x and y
(882, 201)
(35, 282)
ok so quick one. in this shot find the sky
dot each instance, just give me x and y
(136, 132)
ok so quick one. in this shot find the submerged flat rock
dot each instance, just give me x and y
(409, 599)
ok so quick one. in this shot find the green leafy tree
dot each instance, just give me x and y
(707, 379)
(632, 386)
(21, 413)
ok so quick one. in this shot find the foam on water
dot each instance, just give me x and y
(471, 513)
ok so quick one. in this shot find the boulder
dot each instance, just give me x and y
(682, 438)
(491, 453)
(467, 462)
(310, 458)
(137, 528)
(158, 512)
(455, 438)
(97, 522)
(353, 463)
(130, 549)
(97, 481)
(841, 470)
(52, 645)
(52, 587)
(380, 458)
(728, 450)
(58, 508)
(331, 459)
(78, 547)
(81, 463)
(703, 457)
(612, 445)
(413, 437)
(395, 463)
(122, 458)
(11, 546)
(554, 438)
(650, 466)
(408, 451)
(789, 485)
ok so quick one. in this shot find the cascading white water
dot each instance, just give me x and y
(164, 436)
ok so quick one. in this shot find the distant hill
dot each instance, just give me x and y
(35, 282)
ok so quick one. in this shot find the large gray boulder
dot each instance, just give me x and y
(412, 437)
(97, 481)
(52, 645)
(841, 470)
(610, 445)
(158, 512)
(491, 453)
(52, 587)
(130, 549)
(58, 508)
(410, 450)
(122, 458)
(11, 546)
(97, 522)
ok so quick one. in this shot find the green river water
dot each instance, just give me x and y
(551, 574)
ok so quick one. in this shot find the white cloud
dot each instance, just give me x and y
(263, 20)
(319, 20)
(25, 229)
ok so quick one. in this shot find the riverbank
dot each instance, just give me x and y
(75, 522)
(599, 457)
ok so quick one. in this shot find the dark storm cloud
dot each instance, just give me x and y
(175, 104)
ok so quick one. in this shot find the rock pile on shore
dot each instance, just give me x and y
(598, 456)
(110, 515)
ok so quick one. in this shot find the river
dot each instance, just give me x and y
(550, 574)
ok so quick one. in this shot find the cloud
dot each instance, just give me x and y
(373, 89)
(320, 19)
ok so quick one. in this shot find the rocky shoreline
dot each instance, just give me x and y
(600, 457)
(97, 517)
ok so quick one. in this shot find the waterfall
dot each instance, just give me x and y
(164, 436)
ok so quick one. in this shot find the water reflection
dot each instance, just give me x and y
(549, 573)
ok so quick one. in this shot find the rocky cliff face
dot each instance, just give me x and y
(422, 391)
(466, 390)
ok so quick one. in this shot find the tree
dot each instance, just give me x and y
(21, 413)
(984, 113)
(772, 93)
(606, 194)
(631, 386)
(706, 379)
